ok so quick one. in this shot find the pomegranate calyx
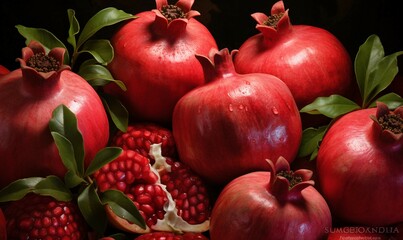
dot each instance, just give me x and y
(389, 123)
(274, 25)
(285, 183)
(174, 18)
(218, 65)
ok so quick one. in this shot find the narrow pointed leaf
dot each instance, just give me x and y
(310, 141)
(332, 106)
(104, 156)
(92, 209)
(105, 17)
(46, 38)
(368, 55)
(101, 50)
(98, 75)
(54, 187)
(382, 75)
(117, 112)
(392, 100)
(18, 189)
(122, 206)
(64, 122)
(66, 151)
(74, 28)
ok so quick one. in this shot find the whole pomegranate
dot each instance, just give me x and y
(167, 193)
(43, 217)
(227, 127)
(360, 166)
(310, 60)
(28, 97)
(278, 204)
(155, 58)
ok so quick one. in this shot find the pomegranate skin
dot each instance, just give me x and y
(227, 127)
(157, 64)
(27, 148)
(360, 170)
(245, 209)
(310, 60)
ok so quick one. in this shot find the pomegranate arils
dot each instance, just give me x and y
(42, 217)
(139, 138)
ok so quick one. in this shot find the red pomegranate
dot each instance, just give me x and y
(28, 97)
(360, 166)
(278, 204)
(227, 127)
(155, 58)
(310, 60)
(168, 194)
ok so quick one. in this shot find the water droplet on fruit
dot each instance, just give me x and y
(274, 110)
(230, 108)
(241, 107)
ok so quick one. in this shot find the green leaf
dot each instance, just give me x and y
(64, 122)
(101, 50)
(92, 209)
(18, 189)
(54, 187)
(122, 206)
(392, 100)
(311, 138)
(332, 106)
(382, 75)
(104, 156)
(43, 36)
(368, 55)
(74, 28)
(117, 111)
(98, 75)
(71, 179)
(66, 152)
(105, 17)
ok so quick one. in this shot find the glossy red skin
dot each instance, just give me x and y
(3, 70)
(310, 60)
(157, 70)
(27, 148)
(3, 229)
(229, 126)
(245, 209)
(360, 174)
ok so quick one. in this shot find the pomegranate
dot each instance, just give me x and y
(43, 217)
(310, 60)
(227, 127)
(169, 196)
(155, 58)
(360, 168)
(27, 98)
(278, 204)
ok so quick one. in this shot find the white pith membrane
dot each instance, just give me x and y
(172, 221)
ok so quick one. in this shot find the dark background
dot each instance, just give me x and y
(351, 21)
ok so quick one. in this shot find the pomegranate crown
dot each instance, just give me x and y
(285, 183)
(36, 62)
(277, 23)
(390, 123)
(174, 16)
